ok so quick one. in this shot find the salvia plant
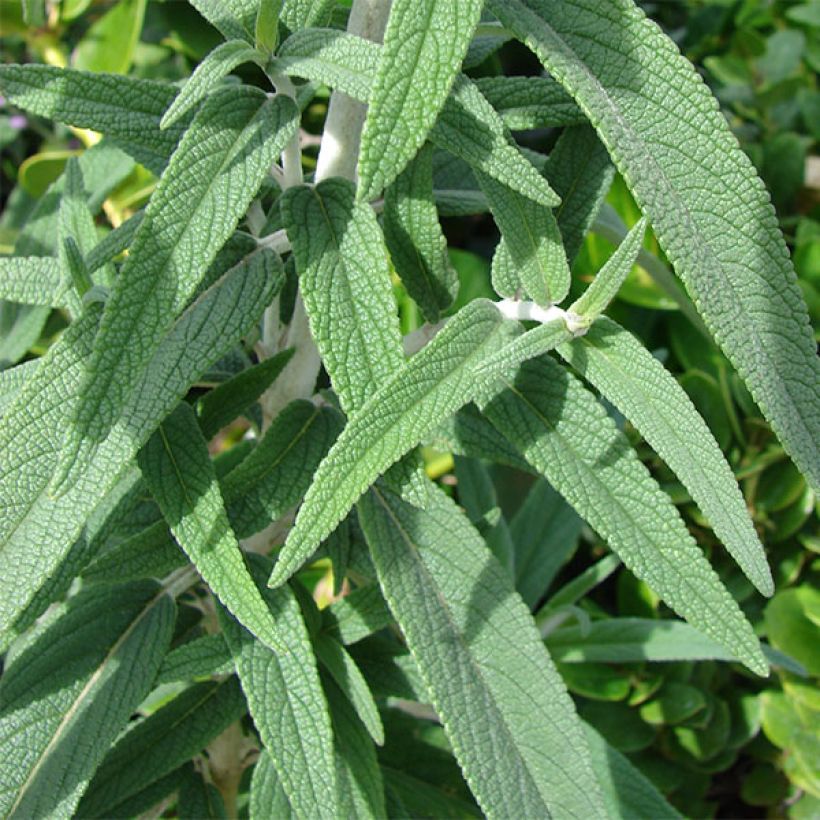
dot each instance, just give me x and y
(162, 645)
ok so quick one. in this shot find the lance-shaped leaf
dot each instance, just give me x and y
(299, 14)
(12, 381)
(717, 227)
(424, 45)
(199, 658)
(468, 126)
(114, 243)
(199, 800)
(216, 65)
(37, 530)
(236, 19)
(268, 798)
(629, 376)
(177, 468)
(564, 432)
(287, 703)
(192, 212)
(124, 108)
(345, 282)
(532, 243)
(74, 687)
(349, 679)
(414, 237)
(31, 280)
(430, 387)
(160, 743)
(266, 31)
(502, 703)
(526, 103)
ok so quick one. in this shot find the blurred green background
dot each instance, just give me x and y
(716, 740)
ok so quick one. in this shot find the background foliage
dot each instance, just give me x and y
(715, 739)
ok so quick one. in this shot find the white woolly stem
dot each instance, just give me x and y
(531, 312)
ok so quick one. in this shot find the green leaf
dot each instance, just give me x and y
(236, 19)
(415, 240)
(792, 617)
(37, 530)
(266, 32)
(240, 132)
(424, 46)
(719, 229)
(299, 14)
(207, 76)
(526, 103)
(468, 126)
(114, 243)
(596, 298)
(199, 800)
(500, 699)
(268, 798)
(631, 378)
(13, 380)
(343, 670)
(158, 744)
(178, 470)
(287, 704)
(75, 687)
(34, 12)
(565, 433)
(199, 658)
(531, 242)
(111, 41)
(31, 280)
(126, 109)
(345, 282)
(359, 614)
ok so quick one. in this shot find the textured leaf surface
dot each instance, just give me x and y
(199, 800)
(36, 530)
(414, 237)
(502, 702)
(631, 378)
(218, 64)
(268, 798)
(526, 103)
(178, 470)
(158, 744)
(31, 280)
(287, 703)
(114, 243)
(567, 436)
(709, 209)
(236, 19)
(424, 45)
(74, 688)
(359, 614)
(200, 658)
(207, 187)
(298, 14)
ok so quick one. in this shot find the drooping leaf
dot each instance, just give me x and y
(287, 704)
(177, 468)
(424, 45)
(414, 238)
(631, 378)
(37, 530)
(566, 434)
(501, 701)
(718, 227)
(191, 214)
(218, 64)
(160, 743)
(74, 687)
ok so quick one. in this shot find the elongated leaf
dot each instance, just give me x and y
(414, 237)
(74, 688)
(126, 109)
(199, 800)
(433, 384)
(502, 703)
(236, 19)
(241, 133)
(218, 64)
(718, 228)
(424, 45)
(565, 433)
(200, 658)
(31, 280)
(348, 678)
(268, 798)
(345, 281)
(298, 14)
(37, 530)
(161, 742)
(468, 126)
(644, 391)
(359, 614)
(287, 704)
(531, 241)
(13, 380)
(525, 103)
(177, 467)
(266, 31)
(114, 243)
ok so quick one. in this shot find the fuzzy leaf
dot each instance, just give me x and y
(500, 699)
(268, 798)
(236, 19)
(199, 658)
(631, 378)
(299, 14)
(191, 214)
(526, 103)
(177, 468)
(566, 435)
(75, 687)
(31, 280)
(709, 209)
(424, 46)
(114, 243)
